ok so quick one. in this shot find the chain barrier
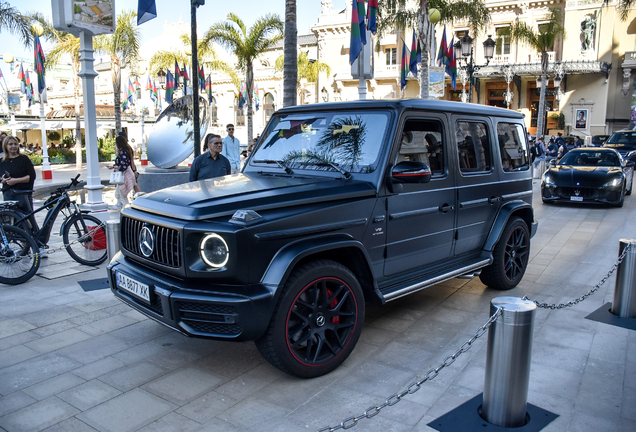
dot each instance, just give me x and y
(415, 386)
(82, 238)
(589, 293)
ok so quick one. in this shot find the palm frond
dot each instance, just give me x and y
(14, 22)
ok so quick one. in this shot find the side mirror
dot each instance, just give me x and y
(411, 172)
(553, 162)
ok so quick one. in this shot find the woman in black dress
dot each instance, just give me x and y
(18, 176)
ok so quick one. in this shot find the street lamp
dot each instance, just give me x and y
(466, 45)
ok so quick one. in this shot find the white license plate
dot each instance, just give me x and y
(575, 198)
(132, 286)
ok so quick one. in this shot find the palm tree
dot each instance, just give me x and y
(306, 69)
(14, 22)
(542, 40)
(122, 46)
(290, 70)
(65, 44)
(393, 14)
(623, 8)
(246, 46)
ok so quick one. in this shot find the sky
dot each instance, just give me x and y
(213, 11)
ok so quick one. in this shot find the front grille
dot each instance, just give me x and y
(209, 318)
(167, 250)
(567, 192)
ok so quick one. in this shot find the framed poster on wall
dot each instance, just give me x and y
(580, 121)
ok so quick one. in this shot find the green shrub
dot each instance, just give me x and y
(53, 136)
(561, 122)
(36, 159)
(106, 147)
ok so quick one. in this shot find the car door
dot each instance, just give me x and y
(478, 190)
(420, 217)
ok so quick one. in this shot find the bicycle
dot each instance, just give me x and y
(19, 255)
(84, 235)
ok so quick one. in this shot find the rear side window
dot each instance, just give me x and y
(473, 147)
(512, 147)
(422, 141)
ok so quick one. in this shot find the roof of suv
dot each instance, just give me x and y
(401, 104)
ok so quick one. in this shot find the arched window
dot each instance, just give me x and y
(268, 106)
(214, 112)
(239, 114)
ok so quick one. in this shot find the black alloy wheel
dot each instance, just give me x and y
(511, 256)
(317, 322)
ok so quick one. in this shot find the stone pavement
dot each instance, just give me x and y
(72, 360)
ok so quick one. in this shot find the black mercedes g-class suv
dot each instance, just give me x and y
(339, 204)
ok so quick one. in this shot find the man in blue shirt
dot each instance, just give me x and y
(211, 163)
(232, 149)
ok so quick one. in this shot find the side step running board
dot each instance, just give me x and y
(469, 275)
(471, 268)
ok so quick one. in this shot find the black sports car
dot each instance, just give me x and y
(588, 175)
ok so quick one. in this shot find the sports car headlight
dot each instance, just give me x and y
(615, 182)
(547, 180)
(214, 251)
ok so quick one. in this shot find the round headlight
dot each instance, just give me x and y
(214, 251)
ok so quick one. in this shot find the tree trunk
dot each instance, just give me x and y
(424, 33)
(116, 75)
(541, 110)
(78, 126)
(249, 84)
(290, 68)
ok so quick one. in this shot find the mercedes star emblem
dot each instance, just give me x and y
(146, 241)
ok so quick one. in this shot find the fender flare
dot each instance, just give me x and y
(287, 257)
(508, 210)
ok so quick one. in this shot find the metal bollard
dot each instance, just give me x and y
(113, 239)
(624, 304)
(508, 362)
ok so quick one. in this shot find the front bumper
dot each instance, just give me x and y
(581, 195)
(210, 311)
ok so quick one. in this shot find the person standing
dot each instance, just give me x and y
(122, 163)
(211, 163)
(540, 152)
(232, 149)
(553, 150)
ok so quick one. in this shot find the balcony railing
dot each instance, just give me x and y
(630, 59)
(501, 59)
(536, 57)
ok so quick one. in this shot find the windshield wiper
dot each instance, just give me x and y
(279, 163)
(345, 173)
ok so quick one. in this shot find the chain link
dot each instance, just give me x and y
(415, 386)
(77, 240)
(589, 293)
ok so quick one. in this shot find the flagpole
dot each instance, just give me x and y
(195, 82)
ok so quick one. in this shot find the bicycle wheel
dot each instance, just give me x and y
(10, 217)
(19, 256)
(85, 239)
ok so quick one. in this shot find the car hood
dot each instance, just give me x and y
(621, 147)
(582, 176)
(222, 196)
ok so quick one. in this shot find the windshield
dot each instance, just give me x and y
(316, 141)
(591, 158)
(622, 138)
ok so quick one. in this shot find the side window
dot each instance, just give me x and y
(512, 147)
(422, 141)
(473, 147)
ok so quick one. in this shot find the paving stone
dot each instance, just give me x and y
(52, 329)
(16, 354)
(53, 386)
(184, 385)
(252, 412)
(89, 394)
(57, 340)
(33, 371)
(130, 376)
(98, 368)
(127, 412)
(51, 315)
(70, 425)
(107, 324)
(172, 423)
(14, 402)
(206, 407)
(10, 327)
(38, 416)
(95, 348)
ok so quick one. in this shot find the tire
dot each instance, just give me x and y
(85, 244)
(510, 257)
(10, 217)
(21, 259)
(317, 321)
(622, 201)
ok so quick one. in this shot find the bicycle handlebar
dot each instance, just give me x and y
(62, 189)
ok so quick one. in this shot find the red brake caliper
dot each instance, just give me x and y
(333, 304)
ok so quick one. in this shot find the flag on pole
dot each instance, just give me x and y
(404, 70)
(358, 34)
(29, 88)
(38, 53)
(371, 16)
(441, 54)
(416, 54)
(208, 88)
(131, 91)
(177, 74)
(124, 104)
(241, 97)
(169, 87)
(146, 10)
(186, 77)
(22, 79)
(451, 67)
(153, 92)
(201, 78)
(136, 83)
(257, 101)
